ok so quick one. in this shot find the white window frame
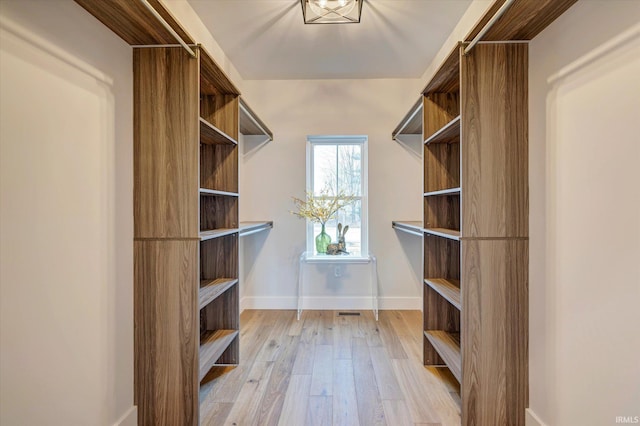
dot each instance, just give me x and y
(364, 237)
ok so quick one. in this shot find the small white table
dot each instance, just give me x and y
(307, 257)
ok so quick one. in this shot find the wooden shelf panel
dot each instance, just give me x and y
(250, 123)
(447, 78)
(448, 347)
(215, 192)
(212, 345)
(449, 191)
(134, 23)
(447, 288)
(216, 233)
(248, 228)
(523, 20)
(449, 133)
(214, 81)
(211, 289)
(452, 234)
(411, 123)
(211, 135)
(409, 226)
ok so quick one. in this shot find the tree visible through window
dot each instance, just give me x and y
(337, 165)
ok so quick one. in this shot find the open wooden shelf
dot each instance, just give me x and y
(249, 228)
(449, 133)
(250, 123)
(447, 288)
(447, 78)
(211, 135)
(411, 123)
(450, 191)
(210, 289)
(214, 81)
(451, 234)
(212, 345)
(134, 23)
(409, 226)
(216, 233)
(448, 347)
(215, 192)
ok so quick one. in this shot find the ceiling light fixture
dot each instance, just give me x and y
(331, 11)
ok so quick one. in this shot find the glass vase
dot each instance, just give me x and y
(322, 241)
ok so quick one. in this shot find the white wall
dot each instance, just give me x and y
(276, 171)
(585, 216)
(66, 226)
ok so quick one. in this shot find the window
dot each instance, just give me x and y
(338, 164)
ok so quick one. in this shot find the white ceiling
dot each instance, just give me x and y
(267, 39)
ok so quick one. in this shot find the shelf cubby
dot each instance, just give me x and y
(212, 288)
(218, 212)
(214, 345)
(219, 167)
(447, 345)
(449, 133)
(447, 288)
(211, 135)
(442, 167)
(442, 211)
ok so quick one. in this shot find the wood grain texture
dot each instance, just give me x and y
(210, 289)
(449, 289)
(218, 212)
(441, 166)
(495, 141)
(222, 314)
(222, 112)
(219, 258)
(441, 316)
(212, 345)
(219, 167)
(447, 78)
(213, 80)
(166, 332)
(449, 133)
(495, 331)
(134, 23)
(441, 258)
(439, 110)
(165, 156)
(442, 211)
(448, 347)
(523, 20)
(211, 135)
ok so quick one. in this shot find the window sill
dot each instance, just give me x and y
(327, 258)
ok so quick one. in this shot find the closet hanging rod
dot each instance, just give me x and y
(488, 26)
(168, 28)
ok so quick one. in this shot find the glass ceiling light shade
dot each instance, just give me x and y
(331, 11)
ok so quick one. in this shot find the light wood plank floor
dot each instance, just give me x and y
(328, 369)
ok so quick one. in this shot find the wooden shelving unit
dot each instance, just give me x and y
(474, 127)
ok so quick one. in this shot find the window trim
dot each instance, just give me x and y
(364, 237)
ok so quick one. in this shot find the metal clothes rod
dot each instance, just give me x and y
(488, 26)
(168, 28)
(253, 120)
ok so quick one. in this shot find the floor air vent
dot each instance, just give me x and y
(344, 314)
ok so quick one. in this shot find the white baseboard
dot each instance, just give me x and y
(531, 419)
(330, 303)
(130, 418)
